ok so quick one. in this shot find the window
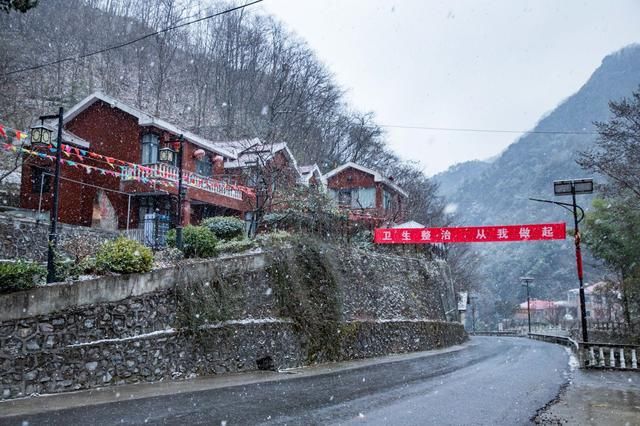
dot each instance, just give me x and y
(203, 167)
(149, 149)
(363, 198)
(388, 201)
(40, 179)
(344, 197)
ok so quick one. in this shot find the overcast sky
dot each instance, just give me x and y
(482, 64)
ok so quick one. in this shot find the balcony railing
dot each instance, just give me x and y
(170, 173)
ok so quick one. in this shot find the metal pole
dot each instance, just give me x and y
(42, 175)
(179, 218)
(583, 313)
(528, 307)
(128, 211)
(53, 225)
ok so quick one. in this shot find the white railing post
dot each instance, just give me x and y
(612, 358)
(601, 362)
(623, 363)
(634, 359)
(592, 357)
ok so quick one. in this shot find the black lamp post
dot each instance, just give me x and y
(180, 148)
(41, 134)
(526, 281)
(573, 187)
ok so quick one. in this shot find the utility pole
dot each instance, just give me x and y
(526, 281)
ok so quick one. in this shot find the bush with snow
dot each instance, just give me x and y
(124, 256)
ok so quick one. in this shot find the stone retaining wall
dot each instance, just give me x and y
(127, 329)
(25, 238)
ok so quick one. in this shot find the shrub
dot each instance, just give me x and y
(124, 256)
(81, 247)
(225, 227)
(235, 246)
(197, 241)
(274, 238)
(16, 276)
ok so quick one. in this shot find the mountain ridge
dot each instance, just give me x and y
(497, 192)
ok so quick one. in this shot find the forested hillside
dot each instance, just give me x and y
(498, 192)
(240, 74)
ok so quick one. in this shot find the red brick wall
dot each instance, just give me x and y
(353, 178)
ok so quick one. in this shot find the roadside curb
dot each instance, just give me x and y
(61, 401)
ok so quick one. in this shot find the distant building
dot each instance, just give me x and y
(366, 194)
(602, 302)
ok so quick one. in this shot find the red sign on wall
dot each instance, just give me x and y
(471, 234)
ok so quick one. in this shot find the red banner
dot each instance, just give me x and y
(471, 234)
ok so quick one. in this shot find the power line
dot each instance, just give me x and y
(456, 129)
(130, 42)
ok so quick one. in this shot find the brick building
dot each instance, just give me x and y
(127, 143)
(366, 193)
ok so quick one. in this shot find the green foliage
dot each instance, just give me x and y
(612, 230)
(124, 256)
(307, 292)
(274, 239)
(225, 227)
(236, 246)
(197, 241)
(20, 275)
(203, 303)
(17, 5)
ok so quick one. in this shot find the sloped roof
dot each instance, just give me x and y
(144, 119)
(377, 177)
(409, 224)
(308, 171)
(249, 151)
(538, 305)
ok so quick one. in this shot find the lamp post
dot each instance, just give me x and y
(573, 187)
(526, 281)
(180, 149)
(42, 135)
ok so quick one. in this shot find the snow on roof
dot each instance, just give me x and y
(377, 177)
(538, 305)
(68, 137)
(144, 119)
(249, 152)
(306, 172)
(588, 289)
(409, 224)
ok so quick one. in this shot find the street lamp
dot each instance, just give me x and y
(573, 187)
(179, 147)
(41, 135)
(167, 155)
(526, 281)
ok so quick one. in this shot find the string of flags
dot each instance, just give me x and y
(88, 168)
(75, 157)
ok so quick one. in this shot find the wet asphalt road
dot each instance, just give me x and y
(493, 381)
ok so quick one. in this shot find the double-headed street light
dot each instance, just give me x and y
(41, 135)
(573, 187)
(525, 282)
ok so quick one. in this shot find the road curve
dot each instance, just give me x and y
(492, 381)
